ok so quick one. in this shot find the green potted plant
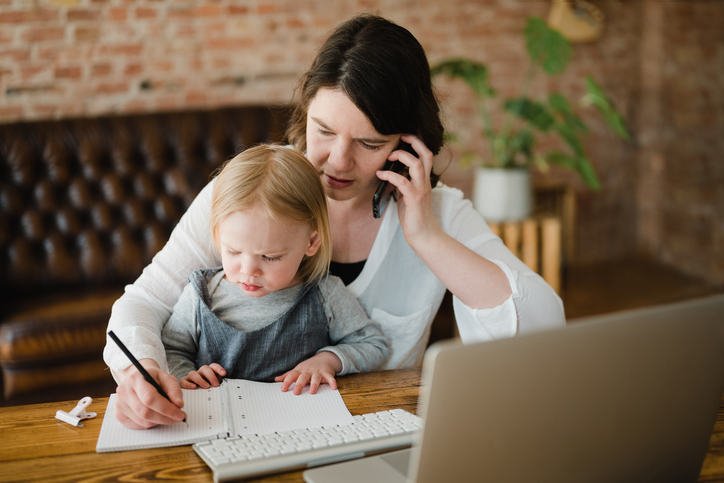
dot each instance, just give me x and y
(512, 143)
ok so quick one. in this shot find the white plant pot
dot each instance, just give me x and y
(503, 194)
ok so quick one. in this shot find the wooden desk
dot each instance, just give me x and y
(34, 446)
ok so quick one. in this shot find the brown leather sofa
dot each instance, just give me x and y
(84, 206)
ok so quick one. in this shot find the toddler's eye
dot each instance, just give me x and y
(272, 259)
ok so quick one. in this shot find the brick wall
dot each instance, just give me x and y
(661, 61)
(681, 132)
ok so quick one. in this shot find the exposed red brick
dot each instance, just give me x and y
(74, 72)
(215, 28)
(111, 88)
(69, 109)
(266, 8)
(10, 113)
(185, 31)
(220, 62)
(43, 110)
(237, 10)
(15, 54)
(133, 69)
(208, 10)
(181, 12)
(28, 72)
(196, 98)
(81, 14)
(117, 13)
(43, 34)
(166, 103)
(83, 34)
(121, 49)
(229, 43)
(162, 66)
(137, 105)
(146, 12)
(99, 70)
(31, 15)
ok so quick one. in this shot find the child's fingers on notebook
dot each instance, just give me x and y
(211, 373)
(287, 379)
(314, 383)
(194, 377)
(329, 379)
(219, 372)
(319, 378)
(302, 381)
(186, 384)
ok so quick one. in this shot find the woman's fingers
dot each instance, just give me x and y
(418, 165)
(140, 406)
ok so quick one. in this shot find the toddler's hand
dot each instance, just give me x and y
(317, 369)
(204, 377)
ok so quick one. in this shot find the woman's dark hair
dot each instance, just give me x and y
(384, 71)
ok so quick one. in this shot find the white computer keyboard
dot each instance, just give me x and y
(246, 456)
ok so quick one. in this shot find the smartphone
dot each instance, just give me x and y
(378, 203)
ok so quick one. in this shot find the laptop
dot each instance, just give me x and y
(626, 397)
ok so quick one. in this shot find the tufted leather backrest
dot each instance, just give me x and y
(88, 202)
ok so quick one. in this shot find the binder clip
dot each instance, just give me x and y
(78, 413)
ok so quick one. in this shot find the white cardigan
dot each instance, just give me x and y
(396, 287)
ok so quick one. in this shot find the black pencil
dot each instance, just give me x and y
(140, 368)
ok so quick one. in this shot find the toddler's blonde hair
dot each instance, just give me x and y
(283, 184)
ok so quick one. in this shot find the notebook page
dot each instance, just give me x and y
(204, 414)
(262, 408)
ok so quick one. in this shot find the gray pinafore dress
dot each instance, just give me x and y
(263, 354)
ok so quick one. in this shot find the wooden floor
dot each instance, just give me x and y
(604, 288)
(626, 284)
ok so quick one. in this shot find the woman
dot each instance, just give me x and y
(369, 83)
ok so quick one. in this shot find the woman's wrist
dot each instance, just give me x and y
(147, 363)
(428, 243)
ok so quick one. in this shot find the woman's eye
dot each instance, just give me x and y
(371, 147)
(324, 132)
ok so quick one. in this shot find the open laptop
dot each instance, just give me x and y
(626, 397)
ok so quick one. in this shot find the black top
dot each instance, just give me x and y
(348, 272)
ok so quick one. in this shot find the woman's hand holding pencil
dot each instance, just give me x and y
(157, 394)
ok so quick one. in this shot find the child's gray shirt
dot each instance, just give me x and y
(358, 340)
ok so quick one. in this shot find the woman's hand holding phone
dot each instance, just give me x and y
(414, 200)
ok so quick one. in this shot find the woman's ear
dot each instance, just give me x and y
(314, 242)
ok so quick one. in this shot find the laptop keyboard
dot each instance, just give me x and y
(252, 455)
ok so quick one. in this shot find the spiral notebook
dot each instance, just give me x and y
(236, 407)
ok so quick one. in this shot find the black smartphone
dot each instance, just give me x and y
(378, 204)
